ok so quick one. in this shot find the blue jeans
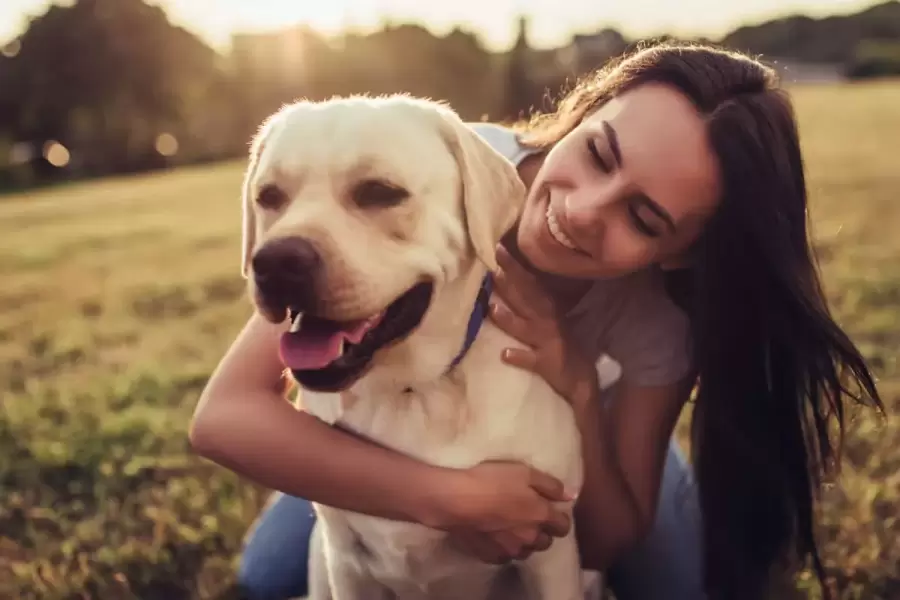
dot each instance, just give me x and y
(666, 565)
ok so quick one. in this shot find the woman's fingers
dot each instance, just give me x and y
(513, 324)
(504, 258)
(501, 547)
(542, 542)
(519, 271)
(524, 358)
(526, 543)
(480, 546)
(557, 523)
(512, 294)
(547, 486)
(518, 287)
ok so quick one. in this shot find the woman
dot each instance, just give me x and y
(665, 226)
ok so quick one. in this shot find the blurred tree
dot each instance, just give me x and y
(106, 78)
(110, 86)
(831, 40)
(875, 59)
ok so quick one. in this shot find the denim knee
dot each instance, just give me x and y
(256, 582)
(667, 564)
(274, 562)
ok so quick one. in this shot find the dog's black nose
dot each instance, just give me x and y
(285, 271)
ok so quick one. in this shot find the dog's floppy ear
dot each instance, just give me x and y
(248, 219)
(493, 193)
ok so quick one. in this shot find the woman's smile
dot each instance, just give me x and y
(555, 230)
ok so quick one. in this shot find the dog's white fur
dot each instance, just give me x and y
(463, 196)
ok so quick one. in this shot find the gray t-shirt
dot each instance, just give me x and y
(630, 319)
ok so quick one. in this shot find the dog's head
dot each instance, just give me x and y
(355, 210)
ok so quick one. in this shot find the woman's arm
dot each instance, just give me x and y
(624, 435)
(244, 423)
(625, 442)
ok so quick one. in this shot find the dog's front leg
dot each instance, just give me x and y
(335, 572)
(349, 582)
(319, 584)
(555, 573)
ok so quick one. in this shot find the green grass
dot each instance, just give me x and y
(118, 298)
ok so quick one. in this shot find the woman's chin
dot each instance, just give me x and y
(547, 256)
(541, 255)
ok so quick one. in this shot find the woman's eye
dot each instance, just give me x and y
(595, 155)
(641, 224)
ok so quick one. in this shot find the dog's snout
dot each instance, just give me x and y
(292, 257)
(285, 270)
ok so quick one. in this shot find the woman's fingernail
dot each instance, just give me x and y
(570, 494)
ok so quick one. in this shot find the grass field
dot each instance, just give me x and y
(119, 296)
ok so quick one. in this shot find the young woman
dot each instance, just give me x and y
(665, 227)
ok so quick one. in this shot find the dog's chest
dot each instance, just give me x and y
(405, 553)
(414, 562)
(485, 410)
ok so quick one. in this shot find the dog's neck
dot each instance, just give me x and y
(477, 316)
(442, 339)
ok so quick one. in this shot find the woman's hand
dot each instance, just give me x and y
(524, 310)
(504, 511)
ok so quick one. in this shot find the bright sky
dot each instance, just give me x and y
(553, 21)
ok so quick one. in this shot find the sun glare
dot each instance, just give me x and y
(325, 17)
(553, 21)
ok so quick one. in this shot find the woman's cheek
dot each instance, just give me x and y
(624, 252)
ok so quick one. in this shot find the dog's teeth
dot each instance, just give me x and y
(295, 324)
(342, 347)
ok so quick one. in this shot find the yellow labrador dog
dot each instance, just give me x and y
(371, 223)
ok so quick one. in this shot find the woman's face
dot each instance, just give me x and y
(630, 187)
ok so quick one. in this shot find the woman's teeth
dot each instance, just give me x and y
(556, 232)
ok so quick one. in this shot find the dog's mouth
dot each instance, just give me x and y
(326, 355)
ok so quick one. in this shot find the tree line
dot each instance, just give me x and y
(100, 87)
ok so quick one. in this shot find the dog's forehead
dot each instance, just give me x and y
(393, 138)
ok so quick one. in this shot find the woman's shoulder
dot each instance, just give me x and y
(501, 138)
(635, 321)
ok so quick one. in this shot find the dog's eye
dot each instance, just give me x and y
(376, 193)
(271, 197)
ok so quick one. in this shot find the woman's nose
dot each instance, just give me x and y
(586, 210)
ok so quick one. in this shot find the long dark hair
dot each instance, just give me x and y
(774, 369)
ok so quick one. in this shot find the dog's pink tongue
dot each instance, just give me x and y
(318, 342)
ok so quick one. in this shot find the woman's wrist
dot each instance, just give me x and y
(434, 502)
(585, 393)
